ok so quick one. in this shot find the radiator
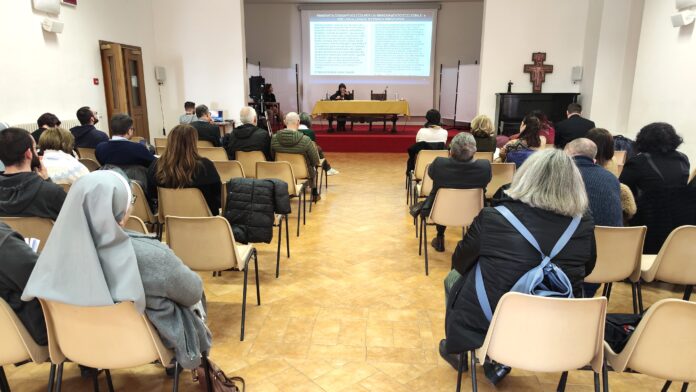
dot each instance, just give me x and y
(31, 127)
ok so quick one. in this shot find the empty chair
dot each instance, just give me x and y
(451, 208)
(188, 202)
(248, 160)
(662, 344)
(90, 163)
(103, 337)
(207, 244)
(283, 171)
(204, 143)
(558, 335)
(485, 155)
(674, 263)
(299, 168)
(137, 225)
(501, 174)
(227, 170)
(31, 227)
(86, 153)
(160, 142)
(619, 251)
(423, 159)
(213, 153)
(18, 345)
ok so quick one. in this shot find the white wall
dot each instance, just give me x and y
(203, 55)
(512, 30)
(273, 36)
(44, 72)
(664, 87)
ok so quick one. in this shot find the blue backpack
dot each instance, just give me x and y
(546, 279)
(519, 156)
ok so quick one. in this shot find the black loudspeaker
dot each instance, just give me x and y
(256, 86)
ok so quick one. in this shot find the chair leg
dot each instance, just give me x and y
(304, 207)
(415, 223)
(256, 274)
(634, 294)
(299, 212)
(562, 382)
(665, 387)
(51, 377)
(425, 245)
(95, 379)
(472, 369)
(287, 234)
(59, 377)
(244, 295)
(420, 239)
(280, 239)
(4, 385)
(175, 388)
(687, 292)
(462, 359)
(326, 182)
(109, 382)
(685, 387)
(640, 297)
(596, 382)
(605, 376)
(608, 287)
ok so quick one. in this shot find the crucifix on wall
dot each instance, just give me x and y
(537, 71)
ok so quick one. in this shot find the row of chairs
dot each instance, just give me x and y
(561, 335)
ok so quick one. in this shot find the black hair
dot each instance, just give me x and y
(84, 114)
(605, 144)
(341, 86)
(121, 124)
(267, 88)
(189, 105)
(574, 107)
(49, 119)
(541, 116)
(531, 131)
(432, 118)
(14, 142)
(201, 110)
(658, 137)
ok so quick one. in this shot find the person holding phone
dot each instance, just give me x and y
(25, 188)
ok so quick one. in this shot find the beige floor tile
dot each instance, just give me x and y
(349, 374)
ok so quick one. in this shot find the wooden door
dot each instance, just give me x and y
(124, 84)
(135, 86)
(114, 80)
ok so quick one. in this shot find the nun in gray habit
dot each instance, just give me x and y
(89, 260)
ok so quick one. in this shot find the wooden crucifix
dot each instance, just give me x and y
(537, 71)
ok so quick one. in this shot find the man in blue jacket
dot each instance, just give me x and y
(87, 135)
(120, 151)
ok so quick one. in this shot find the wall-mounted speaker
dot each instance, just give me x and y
(160, 75)
(576, 74)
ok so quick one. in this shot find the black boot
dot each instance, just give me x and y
(452, 359)
(439, 243)
(495, 372)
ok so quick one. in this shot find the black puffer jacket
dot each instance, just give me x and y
(505, 256)
(252, 205)
(247, 137)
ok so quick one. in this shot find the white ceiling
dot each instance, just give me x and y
(357, 1)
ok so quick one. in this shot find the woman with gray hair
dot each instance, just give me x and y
(547, 192)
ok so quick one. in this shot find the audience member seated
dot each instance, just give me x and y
(18, 260)
(25, 188)
(518, 150)
(432, 132)
(122, 266)
(482, 129)
(305, 128)
(248, 136)
(573, 127)
(204, 126)
(180, 166)
(270, 98)
(56, 146)
(190, 115)
(3, 126)
(459, 171)
(291, 140)
(87, 135)
(658, 177)
(45, 121)
(120, 151)
(546, 132)
(546, 193)
(605, 152)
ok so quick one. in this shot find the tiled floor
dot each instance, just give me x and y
(352, 309)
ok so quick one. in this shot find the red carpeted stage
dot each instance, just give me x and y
(362, 140)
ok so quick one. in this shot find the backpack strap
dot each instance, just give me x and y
(653, 166)
(560, 244)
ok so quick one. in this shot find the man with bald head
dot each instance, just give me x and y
(291, 140)
(248, 136)
(601, 185)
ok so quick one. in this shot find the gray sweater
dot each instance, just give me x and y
(171, 289)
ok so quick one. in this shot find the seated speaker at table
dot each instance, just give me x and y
(341, 94)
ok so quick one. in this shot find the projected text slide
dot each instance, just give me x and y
(385, 44)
